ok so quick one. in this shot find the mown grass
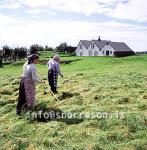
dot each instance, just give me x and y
(93, 84)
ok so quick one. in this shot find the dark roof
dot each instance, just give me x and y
(120, 46)
(117, 46)
(86, 43)
(100, 43)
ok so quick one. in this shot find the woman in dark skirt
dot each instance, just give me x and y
(28, 82)
(53, 72)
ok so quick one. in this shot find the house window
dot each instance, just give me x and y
(110, 52)
(80, 46)
(95, 53)
(90, 53)
(81, 53)
(92, 45)
(103, 52)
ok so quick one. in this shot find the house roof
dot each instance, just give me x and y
(100, 43)
(117, 46)
(86, 43)
(120, 46)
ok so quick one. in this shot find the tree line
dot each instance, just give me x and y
(8, 54)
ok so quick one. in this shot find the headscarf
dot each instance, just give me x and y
(56, 58)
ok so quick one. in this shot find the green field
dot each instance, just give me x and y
(94, 85)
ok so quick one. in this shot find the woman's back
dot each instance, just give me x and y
(29, 70)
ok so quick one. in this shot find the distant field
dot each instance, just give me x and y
(97, 84)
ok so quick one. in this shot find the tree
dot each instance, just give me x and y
(70, 49)
(48, 48)
(19, 53)
(22, 53)
(7, 52)
(61, 47)
(16, 52)
(1, 58)
(35, 48)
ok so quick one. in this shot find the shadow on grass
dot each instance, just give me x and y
(44, 62)
(69, 61)
(5, 102)
(44, 114)
(66, 95)
(7, 63)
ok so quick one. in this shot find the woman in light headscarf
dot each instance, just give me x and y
(54, 71)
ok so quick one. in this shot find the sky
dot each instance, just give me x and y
(50, 22)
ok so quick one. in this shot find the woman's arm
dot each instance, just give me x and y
(58, 69)
(35, 78)
(49, 64)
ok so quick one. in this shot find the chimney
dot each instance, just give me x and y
(99, 39)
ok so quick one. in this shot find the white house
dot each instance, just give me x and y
(102, 48)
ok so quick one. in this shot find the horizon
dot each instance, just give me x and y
(51, 22)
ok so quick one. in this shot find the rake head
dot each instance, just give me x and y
(45, 89)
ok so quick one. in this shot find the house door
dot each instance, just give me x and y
(107, 53)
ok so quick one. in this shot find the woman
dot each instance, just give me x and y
(54, 71)
(28, 82)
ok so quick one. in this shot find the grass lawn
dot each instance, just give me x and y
(97, 85)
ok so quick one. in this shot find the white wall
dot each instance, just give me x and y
(95, 49)
(107, 48)
(86, 51)
(83, 50)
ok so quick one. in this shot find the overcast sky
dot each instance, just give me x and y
(49, 22)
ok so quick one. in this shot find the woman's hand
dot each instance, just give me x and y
(43, 81)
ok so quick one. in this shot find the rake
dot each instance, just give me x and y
(57, 105)
(45, 92)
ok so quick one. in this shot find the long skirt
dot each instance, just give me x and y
(27, 91)
(52, 79)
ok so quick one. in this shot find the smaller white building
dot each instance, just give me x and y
(102, 48)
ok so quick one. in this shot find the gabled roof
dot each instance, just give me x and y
(86, 43)
(120, 46)
(100, 43)
(117, 46)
